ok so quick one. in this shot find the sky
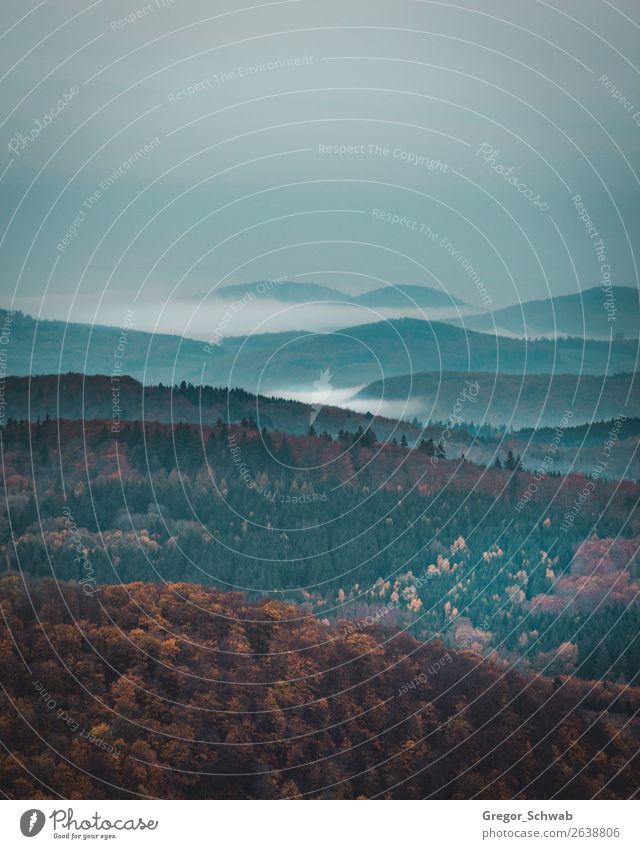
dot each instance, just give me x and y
(152, 152)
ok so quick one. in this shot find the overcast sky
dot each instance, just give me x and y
(239, 180)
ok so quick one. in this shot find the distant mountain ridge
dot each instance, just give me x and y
(391, 296)
(78, 397)
(281, 290)
(581, 314)
(409, 297)
(276, 363)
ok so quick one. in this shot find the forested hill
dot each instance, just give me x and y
(191, 693)
(274, 361)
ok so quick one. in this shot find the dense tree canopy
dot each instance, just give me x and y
(180, 691)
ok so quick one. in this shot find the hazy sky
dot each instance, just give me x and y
(240, 179)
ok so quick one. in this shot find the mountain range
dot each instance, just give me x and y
(407, 297)
(531, 400)
(77, 397)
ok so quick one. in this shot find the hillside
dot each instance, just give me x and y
(75, 396)
(409, 297)
(580, 314)
(533, 400)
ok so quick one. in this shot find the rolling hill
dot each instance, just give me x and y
(277, 363)
(286, 291)
(183, 724)
(74, 397)
(529, 401)
(580, 314)
(409, 297)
